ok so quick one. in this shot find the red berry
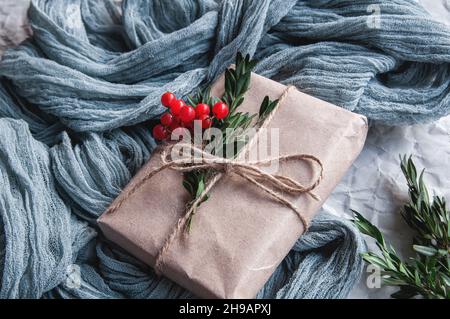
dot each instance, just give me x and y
(175, 124)
(187, 114)
(206, 121)
(176, 106)
(220, 110)
(159, 132)
(167, 98)
(201, 109)
(189, 125)
(166, 119)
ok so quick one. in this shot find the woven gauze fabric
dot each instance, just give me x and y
(76, 98)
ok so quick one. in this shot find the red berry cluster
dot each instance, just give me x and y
(182, 115)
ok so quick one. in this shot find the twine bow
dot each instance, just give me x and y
(194, 158)
(197, 158)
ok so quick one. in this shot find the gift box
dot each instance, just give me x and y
(241, 233)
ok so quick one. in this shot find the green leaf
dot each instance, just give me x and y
(238, 102)
(266, 108)
(391, 281)
(263, 107)
(417, 277)
(237, 82)
(240, 85)
(403, 269)
(239, 60)
(228, 81)
(446, 279)
(200, 188)
(374, 260)
(188, 187)
(251, 65)
(367, 228)
(190, 101)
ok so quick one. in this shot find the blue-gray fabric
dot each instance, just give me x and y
(75, 101)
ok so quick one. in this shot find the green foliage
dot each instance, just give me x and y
(237, 81)
(266, 108)
(194, 183)
(428, 274)
(235, 125)
(202, 96)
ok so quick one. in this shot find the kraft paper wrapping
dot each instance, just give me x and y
(240, 234)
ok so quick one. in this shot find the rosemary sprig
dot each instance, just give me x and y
(428, 274)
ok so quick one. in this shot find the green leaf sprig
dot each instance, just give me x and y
(428, 274)
(237, 82)
(202, 96)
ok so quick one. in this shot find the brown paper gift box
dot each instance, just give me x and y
(239, 235)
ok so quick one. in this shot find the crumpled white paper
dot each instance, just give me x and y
(374, 186)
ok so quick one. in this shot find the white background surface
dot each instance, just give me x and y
(374, 186)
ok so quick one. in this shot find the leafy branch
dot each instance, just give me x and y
(195, 182)
(428, 274)
(237, 82)
(202, 96)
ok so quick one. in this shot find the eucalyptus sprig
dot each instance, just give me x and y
(428, 274)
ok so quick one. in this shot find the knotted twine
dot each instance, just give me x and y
(247, 170)
(194, 158)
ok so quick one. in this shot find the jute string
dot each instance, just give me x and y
(194, 158)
